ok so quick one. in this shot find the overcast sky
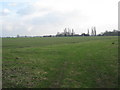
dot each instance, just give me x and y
(44, 17)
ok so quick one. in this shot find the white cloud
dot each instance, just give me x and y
(49, 16)
(5, 11)
(62, 6)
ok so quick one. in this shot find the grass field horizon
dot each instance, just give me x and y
(60, 62)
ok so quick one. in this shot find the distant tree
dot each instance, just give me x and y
(58, 33)
(111, 33)
(65, 32)
(18, 36)
(94, 31)
(99, 35)
(88, 32)
(72, 32)
(83, 34)
(69, 31)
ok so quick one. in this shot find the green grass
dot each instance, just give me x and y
(60, 62)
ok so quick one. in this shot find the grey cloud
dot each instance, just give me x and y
(52, 18)
(47, 19)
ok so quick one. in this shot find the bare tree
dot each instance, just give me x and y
(95, 31)
(88, 31)
(18, 35)
(65, 31)
(92, 32)
(69, 31)
(72, 32)
(58, 33)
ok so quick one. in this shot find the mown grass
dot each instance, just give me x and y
(60, 62)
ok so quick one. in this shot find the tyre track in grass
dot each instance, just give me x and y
(58, 82)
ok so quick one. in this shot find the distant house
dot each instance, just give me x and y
(83, 34)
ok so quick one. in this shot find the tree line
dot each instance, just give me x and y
(110, 33)
(71, 32)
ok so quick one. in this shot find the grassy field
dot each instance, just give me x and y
(60, 62)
